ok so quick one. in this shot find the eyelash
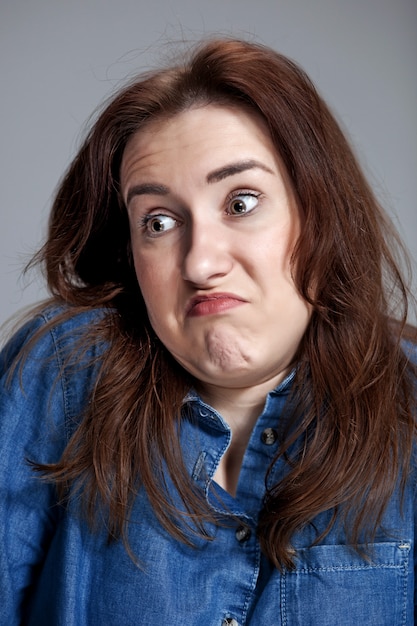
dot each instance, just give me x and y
(144, 221)
(239, 193)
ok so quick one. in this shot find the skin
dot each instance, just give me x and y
(213, 222)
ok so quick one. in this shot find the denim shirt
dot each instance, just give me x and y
(54, 570)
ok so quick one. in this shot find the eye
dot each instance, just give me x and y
(242, 203)
(158, 224)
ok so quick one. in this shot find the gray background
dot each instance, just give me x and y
(58, 60)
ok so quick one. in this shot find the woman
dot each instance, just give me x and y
(213, 420)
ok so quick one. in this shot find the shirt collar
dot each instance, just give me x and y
(281, 389)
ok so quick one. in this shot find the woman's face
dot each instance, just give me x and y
(213, 222)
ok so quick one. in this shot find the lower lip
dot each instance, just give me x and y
(213, 307)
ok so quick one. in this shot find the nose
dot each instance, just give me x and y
(207, 255)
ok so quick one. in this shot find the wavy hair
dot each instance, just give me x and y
(353, 389)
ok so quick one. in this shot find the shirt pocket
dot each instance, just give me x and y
(334, 585)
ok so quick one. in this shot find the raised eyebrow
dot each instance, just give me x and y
(236, 168)
(143, 189)
(217, 175)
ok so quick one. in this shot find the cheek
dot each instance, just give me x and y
(274, 261)
(156, 285)
(145, 276)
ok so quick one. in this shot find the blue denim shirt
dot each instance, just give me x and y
(55, 571)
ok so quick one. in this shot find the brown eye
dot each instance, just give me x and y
(158, 224)
(242, 204)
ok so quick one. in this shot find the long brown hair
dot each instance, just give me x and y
(353, 387)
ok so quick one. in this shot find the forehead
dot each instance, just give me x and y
(199, 138)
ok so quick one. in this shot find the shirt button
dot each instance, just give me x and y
(243, 533)
(230, 621)
(269, 436)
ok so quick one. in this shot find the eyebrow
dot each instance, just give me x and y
(153, 189)
(236, 168)
(213, 177)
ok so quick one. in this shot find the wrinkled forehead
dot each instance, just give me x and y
(200, 135)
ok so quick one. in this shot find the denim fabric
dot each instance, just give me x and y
(55, 571)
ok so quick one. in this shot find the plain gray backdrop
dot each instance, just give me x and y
(60, 59)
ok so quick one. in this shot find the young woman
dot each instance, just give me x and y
(213, 419)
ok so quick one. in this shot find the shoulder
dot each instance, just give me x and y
(53, 329)
(49, 366)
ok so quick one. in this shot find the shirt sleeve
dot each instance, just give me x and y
(38, 404)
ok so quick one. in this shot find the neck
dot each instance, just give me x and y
(241, 409)
(240, 406)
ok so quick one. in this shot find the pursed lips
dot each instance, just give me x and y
(211, 304)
